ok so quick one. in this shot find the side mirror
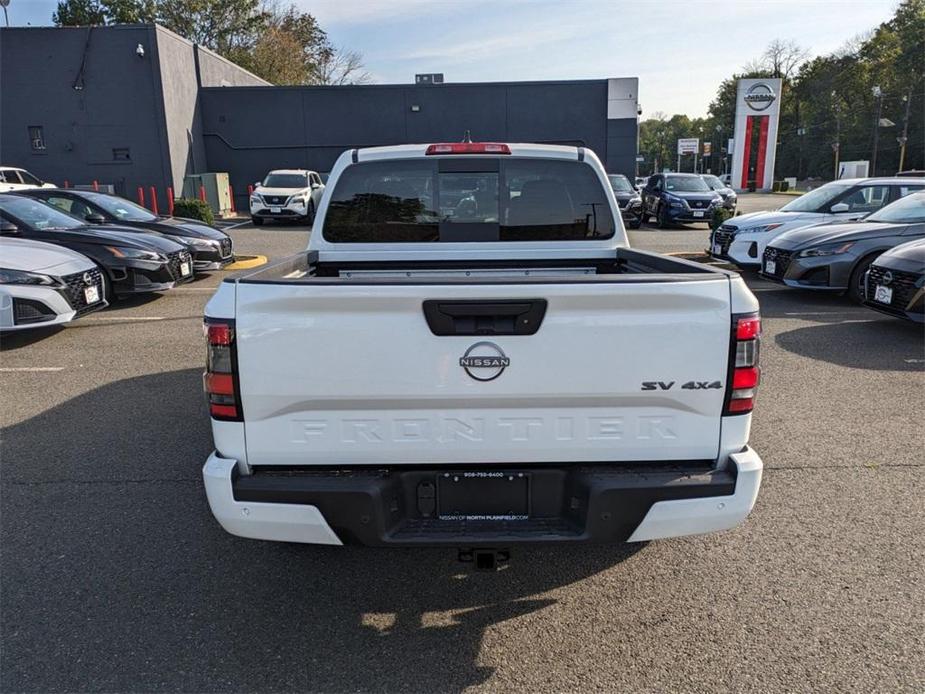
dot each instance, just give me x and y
(257, 184)
(840, 207)
(7, 228)
(95, 218)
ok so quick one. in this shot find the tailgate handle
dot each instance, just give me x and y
(488, 317)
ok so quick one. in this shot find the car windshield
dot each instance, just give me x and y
(120, 208)
(620, 184)
(815, 200)
(288, 180)
(686, 184)
(908, 210)
(713, 182)
(38, 215)
(467, 199)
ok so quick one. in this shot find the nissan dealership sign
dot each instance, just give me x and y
(755, 144)
(759, 97)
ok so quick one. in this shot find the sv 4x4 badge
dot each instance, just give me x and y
(690, 385)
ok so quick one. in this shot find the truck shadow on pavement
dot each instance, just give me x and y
(117, 578)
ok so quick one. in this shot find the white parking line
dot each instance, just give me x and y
(108, 318)
(914, 361)
(826, 313)
(30, 369)
(195, 290)
(235, 226)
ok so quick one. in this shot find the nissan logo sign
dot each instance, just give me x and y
(487, 358)
(759, 97)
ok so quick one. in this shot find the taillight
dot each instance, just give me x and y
(468, 148)
(221, 379)
(744, 374)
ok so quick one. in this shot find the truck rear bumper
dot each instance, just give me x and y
(399, 506)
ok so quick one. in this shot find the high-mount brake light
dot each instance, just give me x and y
(744, 372)
(468, 148)
(220, 381)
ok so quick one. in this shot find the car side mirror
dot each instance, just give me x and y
(7, 228)
(840, 207)
(257, 184)
(95, 218)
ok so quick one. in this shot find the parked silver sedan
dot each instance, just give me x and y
(835, 257)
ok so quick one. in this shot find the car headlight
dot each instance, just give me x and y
(634, 202)
(135, 253)
(23, 277)
(828, 249)
(761, 229)
(255, 200)
(675, 202)
(198, 243)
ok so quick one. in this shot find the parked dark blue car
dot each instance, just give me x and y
(675, 198)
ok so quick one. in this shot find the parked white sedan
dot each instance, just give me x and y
(42, 284)
(12, 179)
(292, 194)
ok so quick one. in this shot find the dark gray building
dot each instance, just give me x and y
(137, 105)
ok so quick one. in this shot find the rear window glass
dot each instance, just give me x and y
(467, 199)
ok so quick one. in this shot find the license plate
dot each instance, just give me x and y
(698, 213)
(483, 495)
(92, 294)
(770, 267)
(184, 269)
(883, 294)
(717, 249)
(276, 210)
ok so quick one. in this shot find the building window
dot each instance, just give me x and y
(121, 154)
(37, 138)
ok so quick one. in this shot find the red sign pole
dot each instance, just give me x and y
(154, 201)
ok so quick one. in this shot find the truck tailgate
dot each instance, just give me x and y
(345, 373)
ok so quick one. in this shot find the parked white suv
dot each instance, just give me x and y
(292, 194)
(469, 354)
(12, 179)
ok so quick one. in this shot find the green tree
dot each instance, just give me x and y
(79, 13)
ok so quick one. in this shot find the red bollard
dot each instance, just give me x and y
(170, 201)
(96, 185)
(141, 196)
(66, 184)
(250, 191)
(154, 201)
(231, 196)
(202, 193)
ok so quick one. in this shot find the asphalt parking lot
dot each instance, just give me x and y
(115, 577)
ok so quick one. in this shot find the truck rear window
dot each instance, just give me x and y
(457, 199)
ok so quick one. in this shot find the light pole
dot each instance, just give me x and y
(903, 138)
(836, 146)
(720, 148)
(878, 94)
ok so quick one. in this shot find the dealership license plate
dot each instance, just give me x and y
(92, 294)
(717, 249)
(698, 213)
(276, 210)
(770, 267)
(883, 294)
(483, 495)
(184, 269)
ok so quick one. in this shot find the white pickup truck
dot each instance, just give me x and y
(470, 354)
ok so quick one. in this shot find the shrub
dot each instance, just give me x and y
(720, 215)
(193, 209)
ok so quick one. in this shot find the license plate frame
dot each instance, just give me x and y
(483, 495)
(185, 269)
(717, 249)
(699, 213)
(883, 294)
(275, 210)
(92, 294)
(770, 266)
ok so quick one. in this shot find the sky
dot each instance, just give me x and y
(680, 50)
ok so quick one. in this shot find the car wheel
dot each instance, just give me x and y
(662, 217)
(310, 214)
(643, 217)
(856, 281)
(636, 223)
(257, 221)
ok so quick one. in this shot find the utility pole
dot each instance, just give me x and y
(836, 146)
(878, 94)
(4, 4)
(902, 140)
